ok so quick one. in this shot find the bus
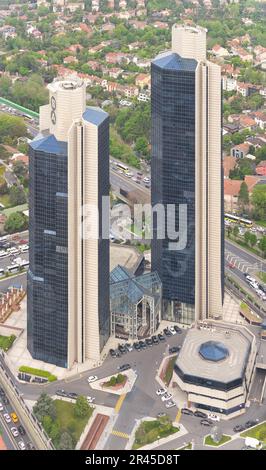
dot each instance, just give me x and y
(2, 272)
(25, 264)
(14, 268)
(122, 166)
(238, 220)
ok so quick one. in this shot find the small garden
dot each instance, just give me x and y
(169, 370)
(115, 381)
(258, 432)
(210, 442)
(38, 372)
(151, 431)
(6, 342)
(63, 421)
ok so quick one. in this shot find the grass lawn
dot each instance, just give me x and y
(5, 200)
(169, 370)
(38, 372)
(262, 276)
(6, 342)
(21, 208)
(258, 432)
(68, 421)
(209, 441)
(151, 431)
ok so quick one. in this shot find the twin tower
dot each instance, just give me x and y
(68, 278)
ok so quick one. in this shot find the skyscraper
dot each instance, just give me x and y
(68, 278)
(187, 170)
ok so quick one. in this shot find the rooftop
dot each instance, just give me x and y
(172, 61)
(95, 115)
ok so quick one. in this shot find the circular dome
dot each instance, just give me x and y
(213, 351)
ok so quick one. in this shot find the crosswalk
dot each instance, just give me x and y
(120, 434)
(240, 264)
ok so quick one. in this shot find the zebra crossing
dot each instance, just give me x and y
(240, 264)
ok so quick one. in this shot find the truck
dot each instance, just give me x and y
(252, 442)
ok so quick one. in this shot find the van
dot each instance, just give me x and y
(252, 442)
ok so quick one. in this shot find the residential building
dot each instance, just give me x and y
(240, 150)
(68, 277)
(187, 174)
(232, 188)
(260, 119)
(261, 168)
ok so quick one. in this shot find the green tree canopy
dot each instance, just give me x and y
(82, 408)
(44, 407)
(11, 126)
(16, 222)
(17, 195)
(259, 201)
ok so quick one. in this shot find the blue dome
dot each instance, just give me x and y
(213, 351)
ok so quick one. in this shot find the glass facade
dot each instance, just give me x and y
(173, 169)
(48, 254)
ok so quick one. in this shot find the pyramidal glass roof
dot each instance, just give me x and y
(213, 351)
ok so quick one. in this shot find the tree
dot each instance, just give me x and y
(141, 146)
(247, 237)
(66, 442)
(17, 196)
(259, 201)
(253, 239)
(81, 408)
(235, 230)
(11, 126)
(20, 169)
(243, 196)
(261, 154)
(16, 222)
(44, 407)
(47, 423)
(262, 245)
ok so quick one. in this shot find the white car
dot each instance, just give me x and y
(14, 431)
(172, 330)
(21, 445)
(1, 407)
(92, 378)
(161, 391)
(146, 179)
(213, 417)
(170, 404)
(90, 399)
(7, 417)
(167, 397)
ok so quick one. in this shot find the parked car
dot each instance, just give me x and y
(249, 424)
(124, 367)
(186, 411)
(92, 378)
(14, 417)
(14, 431)
(1, 407)
(61, 393)
(170, 404)
(205, 422)
(200, 414)
(177, 329)
(155, 340)
(167, 332)
(213, 417)
(161, 391)
(174, 349)
(21, 430)
(72, 395)
(136, 346)
(30, 446)
(113, 353)
(21, 445)
(142, 345)
(239, 428)
(122, 349)
(161, 414)
(5, 400)
(161, 337)
(90, 399)
(167, 396)
(7, 418)
(129, 347)
(172, 330)
(148, 341)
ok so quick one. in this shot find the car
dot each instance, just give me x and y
(14, 431)
(177, 329)
(205, 422)
(1, 407)
(72, 395)
(213, 417)
(136, 346)
(30, 446)
(186, 411)
(239, 428)
(161, 337)
(90, 399)
(113, 353)
(21, 430)
(167, 332)
(2, 392)
(172, 330)
(148, 341)
(21, 445)
(61, 393)
(161, 414)
(122, 349)
(170, 404)
(5, 400)
(129, 347)
(14, 417)
(124, 367)
(142, 345)
(7, 418)
(146, 179)
(155, 340)
(161, 391)
(250, 424)
(92, 378)
(174, 349)
(200, 414)
(167, 396)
